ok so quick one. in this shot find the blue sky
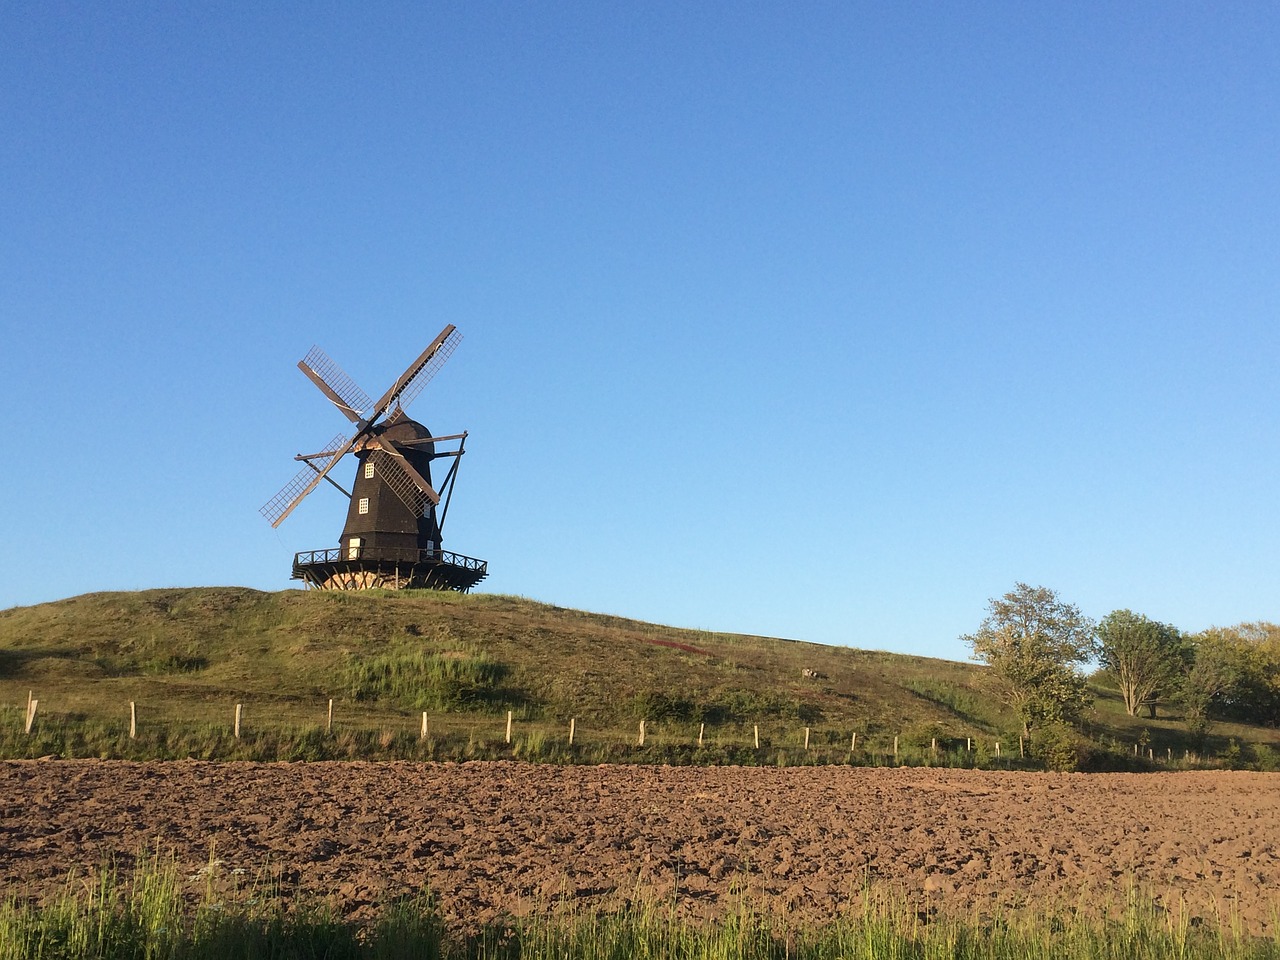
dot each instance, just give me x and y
(823, 321)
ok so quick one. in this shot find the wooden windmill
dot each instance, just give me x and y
(393, 532)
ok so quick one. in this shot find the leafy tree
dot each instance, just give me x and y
(1257, 689)
(1248, 654)
(1146, 658)
(1214, 672)
(1034, 642)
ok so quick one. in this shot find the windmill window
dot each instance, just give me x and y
(368, 471)
(364, 505)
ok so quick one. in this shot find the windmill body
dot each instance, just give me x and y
(377, 518)
(393, 534)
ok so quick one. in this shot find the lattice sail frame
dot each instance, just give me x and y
(418, 379)
(355, 404)
(274, 508)
(401, 484)
(338, 380)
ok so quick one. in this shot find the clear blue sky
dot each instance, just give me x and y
(817, 320)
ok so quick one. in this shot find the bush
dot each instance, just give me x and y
(1059, 747)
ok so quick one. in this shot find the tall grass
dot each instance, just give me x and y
(420, 679)
(158, 916)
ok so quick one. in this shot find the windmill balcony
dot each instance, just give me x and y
(364, 567)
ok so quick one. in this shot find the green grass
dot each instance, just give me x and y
(187, 656)
(157, 913)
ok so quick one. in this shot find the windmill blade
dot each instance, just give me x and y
(405, 482)
(419, 374)
(308, 478)
(335, 384)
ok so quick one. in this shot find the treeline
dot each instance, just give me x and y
(1039, 647)
(1229, 673)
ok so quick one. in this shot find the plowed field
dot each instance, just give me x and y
(490, 838)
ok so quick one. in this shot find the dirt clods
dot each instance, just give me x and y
(490, 839)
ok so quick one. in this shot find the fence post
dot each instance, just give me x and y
(425, 728)
(757, 730)
(508, 726)
(237, 725)
(328, 724)
(701, 727)
(895, 748)
(933, 746)
(573, 725)
(32, 707)
(853, 742)
(133, 720)
(806, 738)
(968, 744)
(1022, 755)
(997, 748)
(640, 743)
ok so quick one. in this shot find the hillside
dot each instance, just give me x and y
(187, 656)
(184, 650)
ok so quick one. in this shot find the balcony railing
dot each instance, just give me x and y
(309, 558)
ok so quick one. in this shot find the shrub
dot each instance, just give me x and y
(1059, 747)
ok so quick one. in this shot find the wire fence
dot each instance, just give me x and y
(333, 729)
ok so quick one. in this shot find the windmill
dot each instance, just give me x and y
(392, 537)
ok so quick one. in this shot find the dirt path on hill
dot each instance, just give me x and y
(490, 838)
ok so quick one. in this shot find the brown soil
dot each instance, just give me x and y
(494, 838)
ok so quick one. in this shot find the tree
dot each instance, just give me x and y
(1215, 671)
(1244, 683)
(1147, 658)
(1034, 642)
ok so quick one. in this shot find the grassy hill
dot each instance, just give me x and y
(187, 656)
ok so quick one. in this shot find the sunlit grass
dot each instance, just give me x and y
(186, 657)
(159, 913)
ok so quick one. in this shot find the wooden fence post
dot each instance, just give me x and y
(328, 724)
(640, 743)
(32, 707)
(806, 738)
(508, 726)
(133, 720)
(933, 746)
(701, 728)
(997, 748)
(757, 730)
(853, 742)
(895, 748)
(968, 744)
(237, 726)
(425, 729)
(1021, 752)
(573, 726)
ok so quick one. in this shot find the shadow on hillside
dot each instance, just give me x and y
(15, 663)
(962, 704)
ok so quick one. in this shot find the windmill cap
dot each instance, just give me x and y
(404, 430)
